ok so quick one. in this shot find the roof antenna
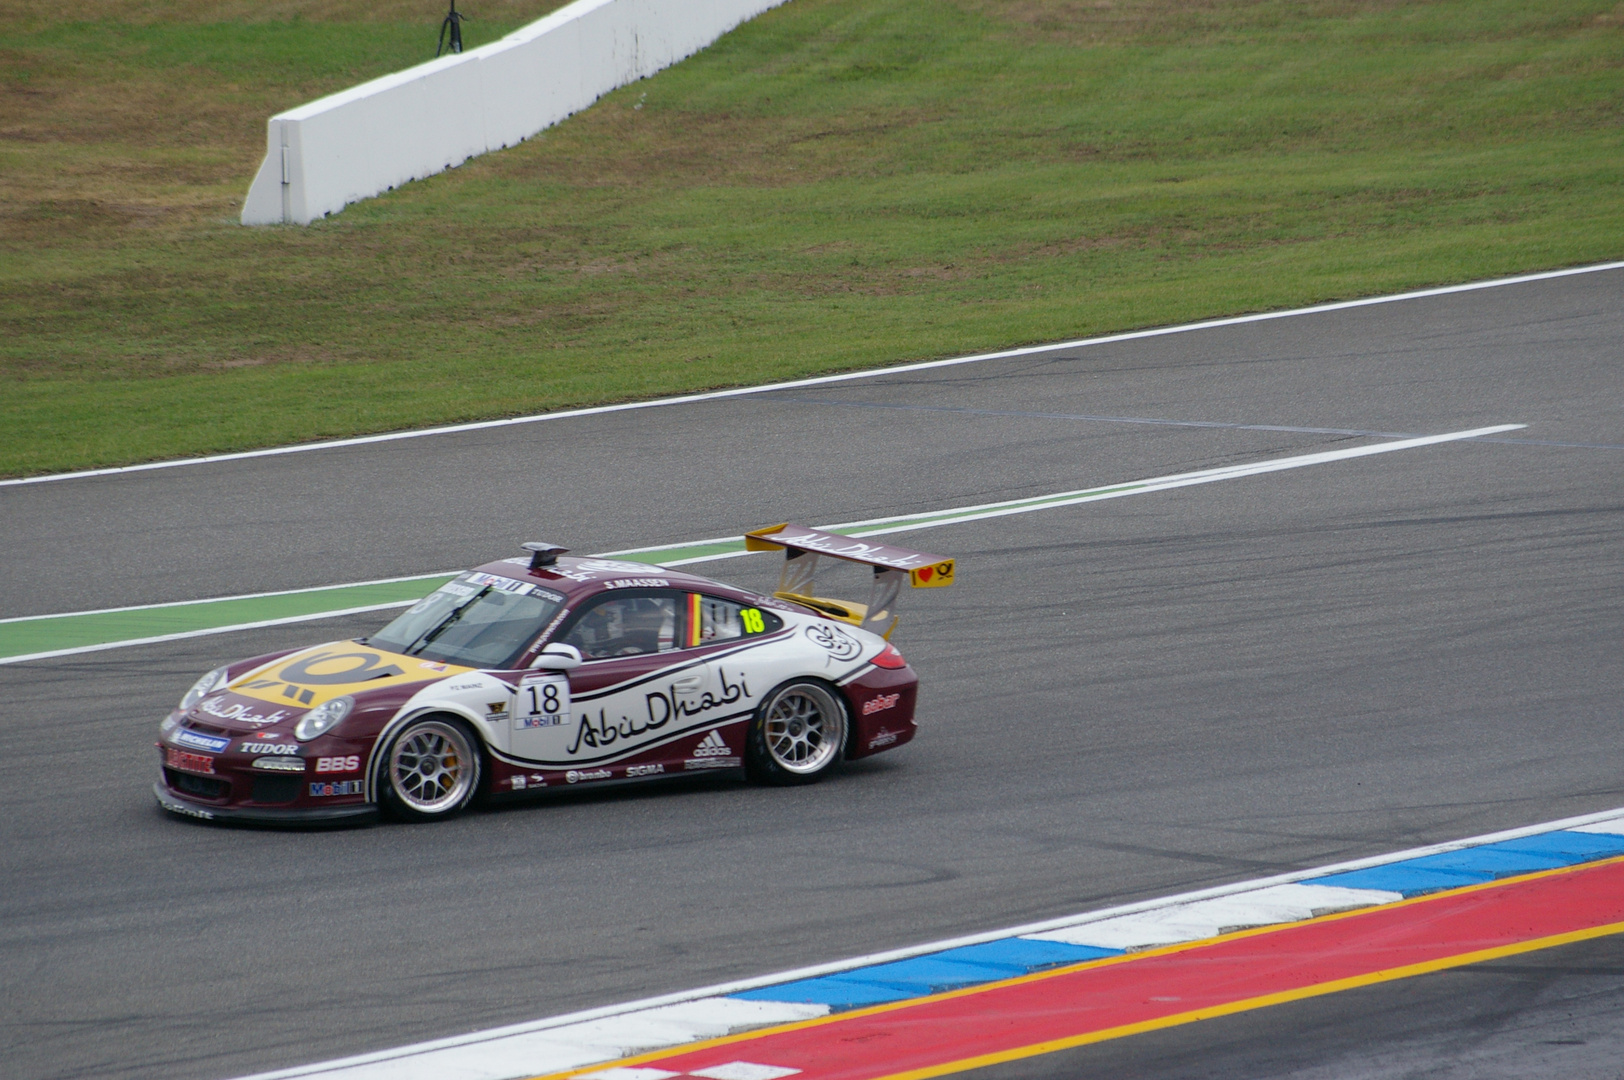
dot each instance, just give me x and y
(453, 22)
(542, 555)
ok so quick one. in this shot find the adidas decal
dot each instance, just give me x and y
(712, 746)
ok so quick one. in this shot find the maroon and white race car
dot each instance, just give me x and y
(548, 672)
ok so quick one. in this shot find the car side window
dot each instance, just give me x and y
(617, 625)
(711, 620)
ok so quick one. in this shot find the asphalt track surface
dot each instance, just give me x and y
(1120, 700)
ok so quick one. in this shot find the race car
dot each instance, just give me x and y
(550, 672)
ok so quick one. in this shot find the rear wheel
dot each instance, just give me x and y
(431, 771)
(798, 735)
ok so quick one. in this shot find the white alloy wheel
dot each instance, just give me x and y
(432, 769)
(799, 733)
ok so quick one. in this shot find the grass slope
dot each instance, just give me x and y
(840, 183)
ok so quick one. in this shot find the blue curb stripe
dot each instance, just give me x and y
(1471, 866)
(990, 961)
(952, 969)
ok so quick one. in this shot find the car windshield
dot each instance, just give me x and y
(479, 620)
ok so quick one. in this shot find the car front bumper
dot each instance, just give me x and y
(318, 815)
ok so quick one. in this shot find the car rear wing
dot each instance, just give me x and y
(803, 546)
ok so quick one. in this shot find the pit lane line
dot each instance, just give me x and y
(103, 626)
(824, 380)
(703, 1032)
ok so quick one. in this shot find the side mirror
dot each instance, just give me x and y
(557, 657)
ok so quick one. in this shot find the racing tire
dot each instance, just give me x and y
(432, 770)
(798, 735)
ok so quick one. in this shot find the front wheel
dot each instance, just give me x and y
(431, 771)
(798, 735)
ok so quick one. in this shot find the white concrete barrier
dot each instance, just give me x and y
(362, 141)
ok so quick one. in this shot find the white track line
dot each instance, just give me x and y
(908, 523)
(227, 599)
(207, 631)
(1132, 487)
(741, 391)
(475, 1038)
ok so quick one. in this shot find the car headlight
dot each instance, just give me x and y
(323, 718)
(205, 686)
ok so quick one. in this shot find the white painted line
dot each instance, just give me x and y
(823, 380)
(931, 519)
(227, 599)
(205, 632)
(911, 522)
(480, 1048)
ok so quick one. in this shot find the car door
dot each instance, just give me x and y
(725, 633)
(634, 689)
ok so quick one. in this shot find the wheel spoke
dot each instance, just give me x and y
(802, 729)
(430, 768)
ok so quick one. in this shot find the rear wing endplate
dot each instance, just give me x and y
(802, 547)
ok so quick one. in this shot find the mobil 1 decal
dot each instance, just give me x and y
(621, 720)
(544, 702)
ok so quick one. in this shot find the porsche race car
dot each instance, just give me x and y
(547, 672)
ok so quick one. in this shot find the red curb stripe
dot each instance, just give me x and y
(969, 1029)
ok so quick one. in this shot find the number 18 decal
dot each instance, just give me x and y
(544, 701)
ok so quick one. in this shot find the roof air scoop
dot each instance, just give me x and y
(542, 555)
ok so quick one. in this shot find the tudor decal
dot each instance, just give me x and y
(580, 670)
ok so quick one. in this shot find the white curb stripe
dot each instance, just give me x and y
(1219, 915)
(823, 380)
(495, 1054)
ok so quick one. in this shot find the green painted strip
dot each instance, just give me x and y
(50, 634)
(47, 634)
